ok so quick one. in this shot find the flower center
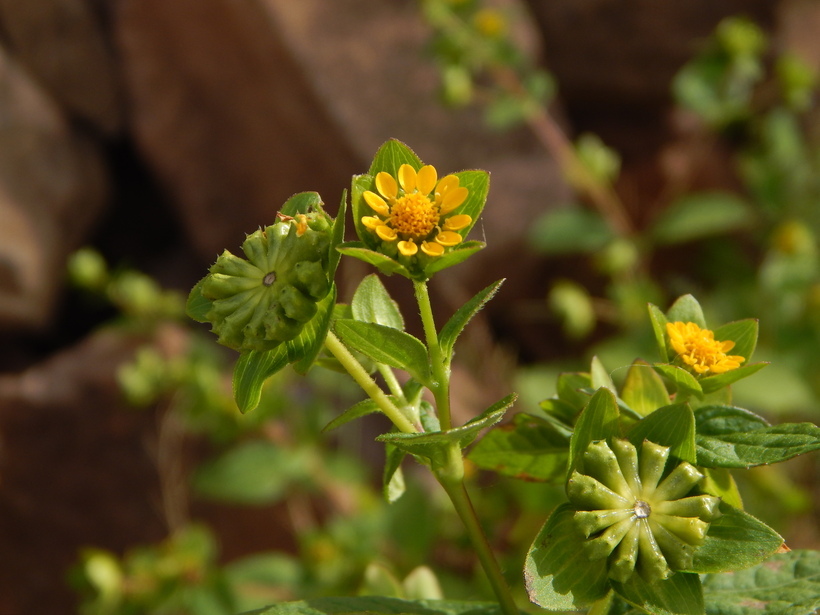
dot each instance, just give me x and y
(414, 216)
(642, 509)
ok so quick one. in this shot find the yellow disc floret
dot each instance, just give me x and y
(413, 210)
(699, 349)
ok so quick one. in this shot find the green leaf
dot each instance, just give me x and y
(302, 203)
(386, 345)
(478, 186)
(599, 376)
(559, 413)
(337, 237)
(672, 426)
(372, 303)
(393, 478)
(710, 384)
(455, 256)
(454, 327)
(529, 448)
(729, 437)
(434, 447)
(363, 408)
(721, 483)
(305, 347)
(659, 321)
(254, 472)
(379, 605)
(557, 572)
(743, 333)
(643, 389)
(570, 230)
(390, 156)
(250, 372)
(736, 540)
(197, 306)
(384, 263)
(680, 594)
(786, 584)
(599, 420)
(571, 386)
(684, 382)
(686, 309)
(699, 215)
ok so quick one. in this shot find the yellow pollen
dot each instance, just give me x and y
(699, 349)
(414, 216)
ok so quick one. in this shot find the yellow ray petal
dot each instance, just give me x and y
(456, 223)
(453, 199)
(432, 249)
(407, 177)
(376, 203)
(386, 184)
(447, 183)
(427, 179)
(386, 233)
(408, 248)
(371, 222)
(448, 238)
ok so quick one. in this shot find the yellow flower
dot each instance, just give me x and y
(699, 349)
(416, 211)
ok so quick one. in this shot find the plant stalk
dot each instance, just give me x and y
(363, 379)
(439, 364)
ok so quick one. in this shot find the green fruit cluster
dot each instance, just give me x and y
(261, 302)
(635, 514)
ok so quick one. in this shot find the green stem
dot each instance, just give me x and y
(451, 478)
(439, 364)
(391, 381)
(363, 379)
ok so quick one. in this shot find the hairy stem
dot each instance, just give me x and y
(439, 364)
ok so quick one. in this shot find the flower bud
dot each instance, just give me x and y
(635, 514)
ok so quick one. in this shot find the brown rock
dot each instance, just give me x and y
(52, 186)
(62, 43)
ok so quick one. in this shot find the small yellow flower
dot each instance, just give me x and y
(490, 23)
(415, 210)
(699, 349)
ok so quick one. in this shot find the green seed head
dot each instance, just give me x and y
(265, 300)
(635, 513)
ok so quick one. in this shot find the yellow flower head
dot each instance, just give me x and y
(417, 210)
(699, 349)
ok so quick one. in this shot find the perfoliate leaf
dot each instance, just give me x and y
(250, 372)
(434, 447)
(729, 437)
(372, 303)
(386, 345)
(686, 309)
(383, 263)
(454, 327)
(598, 421)
(530, 448)
(684, 382)
(680, 594)
(643, 389)
(672, 426)
(735, 541)
(786, 584)
(558, 574)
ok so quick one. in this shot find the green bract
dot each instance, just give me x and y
(258, 303)
(633, 515)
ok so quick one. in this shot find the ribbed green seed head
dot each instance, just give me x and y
(267, 299)
(637, 515)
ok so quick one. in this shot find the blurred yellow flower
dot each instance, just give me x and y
(699, 349)
(415, 210)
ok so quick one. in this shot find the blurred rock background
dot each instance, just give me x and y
(160, 132)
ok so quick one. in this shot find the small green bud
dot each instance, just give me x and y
(636, 515)
(258, 303)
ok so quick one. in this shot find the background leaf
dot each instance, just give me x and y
(698, 215)
(570, 230)
(530, 448)
(786, 584)
(379, 605)
(729, 437)
(736, 540)
(557, 572)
